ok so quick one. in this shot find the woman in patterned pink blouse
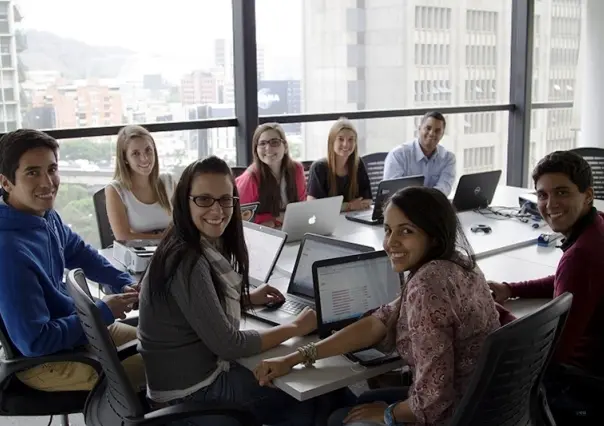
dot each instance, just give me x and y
(438, 325)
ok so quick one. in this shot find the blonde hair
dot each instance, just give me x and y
(353, 160)
(123, 172)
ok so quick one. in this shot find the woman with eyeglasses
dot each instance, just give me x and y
(273, 179)
(342, 172)
(192, 299)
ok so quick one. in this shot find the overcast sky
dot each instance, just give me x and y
(172, 27)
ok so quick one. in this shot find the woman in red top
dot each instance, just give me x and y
(274, 179)
(438, 325)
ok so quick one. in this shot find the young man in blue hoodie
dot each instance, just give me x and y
(35, 248)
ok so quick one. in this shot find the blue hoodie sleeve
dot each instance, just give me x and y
(25, 312)
(78, 254)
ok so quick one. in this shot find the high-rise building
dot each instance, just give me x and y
(12, 73)
(84, 103)
(421, 53)
(199, 87)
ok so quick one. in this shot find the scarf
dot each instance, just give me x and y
(229, 280)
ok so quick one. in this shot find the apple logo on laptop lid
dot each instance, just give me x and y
(312, 220)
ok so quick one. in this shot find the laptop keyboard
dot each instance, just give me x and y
(293, 307)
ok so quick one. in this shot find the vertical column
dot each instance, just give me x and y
(591, 98)
(245, 74)
(521, 72)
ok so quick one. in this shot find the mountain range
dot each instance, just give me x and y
(73, 58)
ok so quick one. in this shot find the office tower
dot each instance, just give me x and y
(12, 73)
(365, 54)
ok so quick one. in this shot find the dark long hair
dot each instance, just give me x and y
(269, 193)
(431, 211)
(181, 242)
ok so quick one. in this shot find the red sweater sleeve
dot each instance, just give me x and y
(247, 186)
(542, 288)
(577, 274)
(300, 182)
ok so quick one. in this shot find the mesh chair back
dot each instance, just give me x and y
(238, 170)
(504, 389)
(114, 397)
(306, 165)
(595, 158)
(102, 220)
(374, 164)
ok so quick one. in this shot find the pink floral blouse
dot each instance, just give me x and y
(446, 314)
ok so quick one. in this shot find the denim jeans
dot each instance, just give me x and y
(270, 406)
(387, 395)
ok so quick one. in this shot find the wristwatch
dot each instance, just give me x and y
(389, 415)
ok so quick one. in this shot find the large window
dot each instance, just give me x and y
(557, 69)
(365, 55)
(101, 63)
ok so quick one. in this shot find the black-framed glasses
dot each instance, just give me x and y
(276, 142)
(206, 201)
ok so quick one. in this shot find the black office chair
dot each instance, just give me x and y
(306, 165)
(595, 158)
(18, 399)
(238, 170)
(102, 220)
(113, 400)
(374, 164)
(506, 387)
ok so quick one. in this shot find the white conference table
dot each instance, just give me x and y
(337, 372)
(508, 253)
(507, 233)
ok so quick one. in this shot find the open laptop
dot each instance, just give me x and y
(264, 246)
(314, 216)
(385, 190)
(300, 291)
(347, 288)
(476, 191)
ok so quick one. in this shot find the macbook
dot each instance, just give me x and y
(347, 288)
(264, 246)
(476, 191)
(385, 190)
(300, 292)
(314, 216)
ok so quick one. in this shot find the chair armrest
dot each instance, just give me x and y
(191, 409)
(79, 355)
(127, 349)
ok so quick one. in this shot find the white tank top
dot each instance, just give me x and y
(145, 217)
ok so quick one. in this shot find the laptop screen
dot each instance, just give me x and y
(262, 249)
(349, 290)
(314, 250)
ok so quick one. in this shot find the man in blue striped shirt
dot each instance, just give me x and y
(424, 156)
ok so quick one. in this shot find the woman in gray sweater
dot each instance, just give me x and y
(192, 297)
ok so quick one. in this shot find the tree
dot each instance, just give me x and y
(85, 149)
(74, 204)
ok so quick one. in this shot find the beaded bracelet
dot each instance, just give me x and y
(309, 354)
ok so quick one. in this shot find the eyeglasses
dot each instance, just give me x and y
(207, 201)
(272, 142)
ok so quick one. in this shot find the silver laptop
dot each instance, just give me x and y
(300, 292)
(315, 216)
(264, 246)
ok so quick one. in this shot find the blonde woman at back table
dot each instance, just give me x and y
(138, 197)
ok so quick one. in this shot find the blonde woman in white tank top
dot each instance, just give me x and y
(138, 198)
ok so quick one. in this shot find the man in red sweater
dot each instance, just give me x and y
(564, 185)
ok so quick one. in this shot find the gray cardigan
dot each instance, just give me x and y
(182, 338)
